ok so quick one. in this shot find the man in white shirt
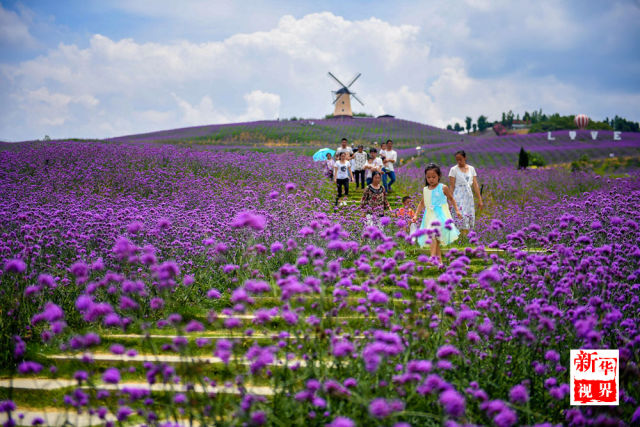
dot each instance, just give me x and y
(344, 148)
(390, 158)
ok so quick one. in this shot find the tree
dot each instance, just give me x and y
(467, 122)
(503, 122)
(475, 127)
(523, 159)
(526, 117)
(509, 119)
(449, 127)
(457, 127)
(624, 125)
(482, 123)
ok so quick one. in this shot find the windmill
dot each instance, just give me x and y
(342, 99)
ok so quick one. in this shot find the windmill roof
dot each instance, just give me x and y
(343, 90)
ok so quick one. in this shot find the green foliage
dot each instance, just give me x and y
(507, 119)
(624, 125)
(583, 164)
(558, 122)
(536, 159)
(527, 158)
(482, 123)
(540, 122)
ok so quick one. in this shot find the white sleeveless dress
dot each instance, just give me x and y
(463, 195)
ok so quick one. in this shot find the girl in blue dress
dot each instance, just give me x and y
(437, 213)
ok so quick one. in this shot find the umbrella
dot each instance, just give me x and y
(322, 154)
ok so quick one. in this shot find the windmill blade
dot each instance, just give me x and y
(353, 80)
(357, 99)
(336, 79)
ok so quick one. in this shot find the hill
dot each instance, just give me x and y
(307, 132)
(503, 150)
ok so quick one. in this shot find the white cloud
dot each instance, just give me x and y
(259, 106)
(14, 30)
(52, 108)
(262, 105)
(114, 87)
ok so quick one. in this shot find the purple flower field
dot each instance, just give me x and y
(148, 284)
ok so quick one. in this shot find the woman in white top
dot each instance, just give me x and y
(357, 166)
(341, 174)
(464, 181)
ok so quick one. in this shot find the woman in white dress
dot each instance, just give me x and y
(463, 179)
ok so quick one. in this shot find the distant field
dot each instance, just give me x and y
(503, 150)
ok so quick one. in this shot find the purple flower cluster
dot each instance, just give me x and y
(335, 324)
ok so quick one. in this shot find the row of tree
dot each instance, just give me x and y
(481, 124)
(537, 121)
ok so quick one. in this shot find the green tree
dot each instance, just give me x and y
(482, 123)
(624, 125)
(467, 122)
(509, 123)
(475, 127)
(457, 127)
(449, 127)
(526, 117)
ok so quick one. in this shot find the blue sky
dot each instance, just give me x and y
(108, 68)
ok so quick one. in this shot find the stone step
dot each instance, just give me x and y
(54, 417)
(58, 384)
(161, 358)
(37, 383)
(271, 336)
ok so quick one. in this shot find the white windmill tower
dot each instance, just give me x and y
(343, 96)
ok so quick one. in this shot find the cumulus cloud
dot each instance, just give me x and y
(112, 87)
(14, 30)
(259, 106)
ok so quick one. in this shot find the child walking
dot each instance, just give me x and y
(437, 214)
(341, 175)
(330, 164)
(406, 213)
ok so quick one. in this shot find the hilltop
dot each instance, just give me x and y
(307, 132)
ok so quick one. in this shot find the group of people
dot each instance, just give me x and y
(359, 166)
(433, 213)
